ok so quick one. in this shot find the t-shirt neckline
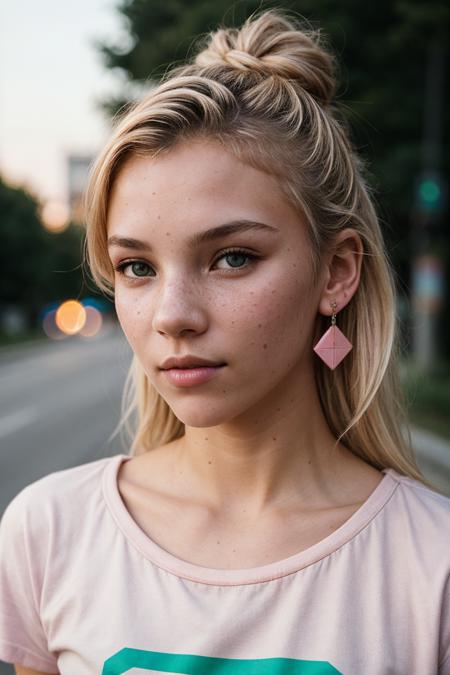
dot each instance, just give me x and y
(234, 577)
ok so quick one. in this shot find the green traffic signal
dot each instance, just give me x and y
(429, 192)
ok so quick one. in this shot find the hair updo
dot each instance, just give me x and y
(266, 92)
(271, 47)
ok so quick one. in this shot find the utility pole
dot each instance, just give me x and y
(428, 264)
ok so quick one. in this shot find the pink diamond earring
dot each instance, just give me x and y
(333, 346)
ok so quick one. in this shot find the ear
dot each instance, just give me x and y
(343, 270)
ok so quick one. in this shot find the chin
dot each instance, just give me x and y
(206, 414)
(199, 420)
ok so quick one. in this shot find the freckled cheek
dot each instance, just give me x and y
(130, 311)
(266, 314)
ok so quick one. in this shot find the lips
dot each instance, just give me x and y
(188, 362)
(200, 365)
(191, 377)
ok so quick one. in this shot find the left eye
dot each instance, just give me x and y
(236, 254)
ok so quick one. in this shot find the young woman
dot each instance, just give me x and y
(270, 517)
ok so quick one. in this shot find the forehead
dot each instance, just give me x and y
(195, 184)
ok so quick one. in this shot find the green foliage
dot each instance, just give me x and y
(36, 266)
(24, 251)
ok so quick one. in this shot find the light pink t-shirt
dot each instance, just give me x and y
(84, 591)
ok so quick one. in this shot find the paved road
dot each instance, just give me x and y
(59, 403)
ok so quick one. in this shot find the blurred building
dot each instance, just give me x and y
(78, 170)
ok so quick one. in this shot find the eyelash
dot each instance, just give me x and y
(120, 267)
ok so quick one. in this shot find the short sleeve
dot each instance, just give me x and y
(22, 636)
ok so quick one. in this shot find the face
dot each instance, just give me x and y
(243, 299)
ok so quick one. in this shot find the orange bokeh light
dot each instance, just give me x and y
(70, 317)
(55, 216)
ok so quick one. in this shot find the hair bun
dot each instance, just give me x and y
(274, 45)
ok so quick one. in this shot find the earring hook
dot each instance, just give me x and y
(333, 307)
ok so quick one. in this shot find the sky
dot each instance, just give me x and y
(50, 79)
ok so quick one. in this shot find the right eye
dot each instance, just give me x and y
(139, 268)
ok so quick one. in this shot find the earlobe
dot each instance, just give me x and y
(343, 273)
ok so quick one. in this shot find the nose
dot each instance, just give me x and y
(180, 307)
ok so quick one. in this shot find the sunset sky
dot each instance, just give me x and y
(50, 79)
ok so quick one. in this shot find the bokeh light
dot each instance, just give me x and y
(50, 328)
(93, 323)
(70, 317)
(55, 216)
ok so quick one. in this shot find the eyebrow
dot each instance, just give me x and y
(199, 238)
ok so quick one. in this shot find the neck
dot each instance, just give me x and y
(279, 455)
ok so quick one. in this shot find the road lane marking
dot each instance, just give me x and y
(17, 420)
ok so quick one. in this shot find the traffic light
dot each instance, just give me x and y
(430, 193)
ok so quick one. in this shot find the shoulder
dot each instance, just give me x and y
(415, 495)
(56, 493)
(420, 517)
(47, 520)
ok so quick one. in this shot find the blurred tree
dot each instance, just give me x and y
(382, 50)
(65, 275)
(36, 266)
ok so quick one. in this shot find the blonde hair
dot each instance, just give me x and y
(266, 92)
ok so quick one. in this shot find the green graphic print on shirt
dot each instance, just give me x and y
(190, 664)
